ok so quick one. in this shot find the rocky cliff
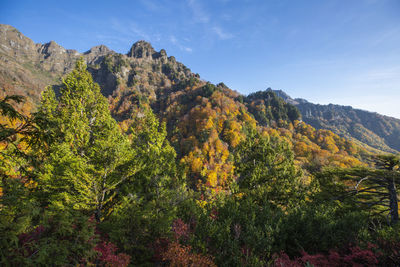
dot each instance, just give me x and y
(26, 68)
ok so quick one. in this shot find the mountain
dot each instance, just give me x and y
(144, 74)
(375, 130)
(205, 122)
(26, 68)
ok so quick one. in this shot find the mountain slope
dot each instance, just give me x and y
(145, 75)
(205, 122)
(378, 131)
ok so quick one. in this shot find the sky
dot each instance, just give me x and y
(331, 51)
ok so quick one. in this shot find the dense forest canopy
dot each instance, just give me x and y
(198, 176)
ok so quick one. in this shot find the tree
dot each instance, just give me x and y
(16, 208)
(149, 202)
(85, 156)
(374, 188)
(265, 165)
(10, 115)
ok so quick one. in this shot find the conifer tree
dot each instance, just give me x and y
(149, 203)
(371, 188)
(85, 155)
(265, 167)
(16, 208)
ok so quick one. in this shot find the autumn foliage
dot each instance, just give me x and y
(186, 174)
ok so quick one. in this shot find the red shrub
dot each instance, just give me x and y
(180, 229)
(181, 256)
(352, 256)
(283, 260)
(159, 247)
(108, 256)
(27, 240)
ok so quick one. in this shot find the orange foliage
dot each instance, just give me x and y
(181, 256)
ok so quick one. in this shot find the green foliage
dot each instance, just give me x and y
(70, 177)
(264, 166)
(373, 189)
(17, 208)
(268, 108)
(149, 202)
(207, 90)
(84, 154)
(64, 238)
(21, 126)
(114, 64)
(237, 232)
(320, 227)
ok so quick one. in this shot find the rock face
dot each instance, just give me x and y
(378, 131)
(141, 49)
(27, 68)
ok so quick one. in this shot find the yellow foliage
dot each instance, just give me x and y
(212, 178)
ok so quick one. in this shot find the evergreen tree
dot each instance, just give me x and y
(149, 203)
(265, 167)
(85, 156)
(372, 188)
(16, 208)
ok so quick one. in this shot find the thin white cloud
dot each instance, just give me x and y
(150, 5)
(173, 39)
(109, 38)
(223, 35)
(175, 42)
(385, 36)
(198, 12)
(384, 74)
(128, 29)
(390, 76)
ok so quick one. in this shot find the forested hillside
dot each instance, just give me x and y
(375, 130)
(134, 160)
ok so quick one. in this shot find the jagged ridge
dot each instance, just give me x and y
(378, 131)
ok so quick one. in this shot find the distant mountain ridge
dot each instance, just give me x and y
(378, 131)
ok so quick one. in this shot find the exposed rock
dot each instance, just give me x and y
(96, 54)
(141, 49)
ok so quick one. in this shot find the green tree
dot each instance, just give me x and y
(85, 157)
(265, 167)
(371, 188)
(16, 207)
(150, 201)
(23, 126)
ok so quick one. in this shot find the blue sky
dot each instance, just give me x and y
(332, 51)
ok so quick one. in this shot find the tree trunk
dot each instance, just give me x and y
(98, 215)
(394, 207)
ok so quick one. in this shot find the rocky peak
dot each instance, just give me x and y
(141, 49)
(51, 48)
(99, 50)
(96, 53)
(285, 97)
(14, 43)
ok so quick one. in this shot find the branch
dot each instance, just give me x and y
(372, 192)
(359, 182)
